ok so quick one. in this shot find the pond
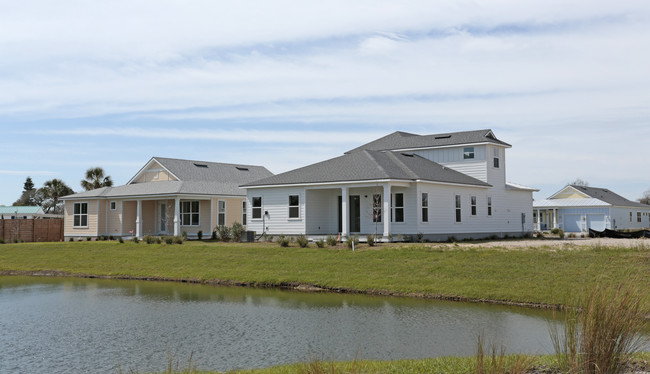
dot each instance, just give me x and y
(90, 325)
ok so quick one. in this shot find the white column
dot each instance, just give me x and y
(554, 218)
(386, 211)
(177, 216)
(344, 211)
(138, 220)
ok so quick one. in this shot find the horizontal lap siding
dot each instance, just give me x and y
(276, 202)
(92, 229)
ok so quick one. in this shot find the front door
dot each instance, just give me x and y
(355, 213)
(163, 218)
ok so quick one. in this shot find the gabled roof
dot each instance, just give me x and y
(368, 166)
(21, 209)
(407, 141)
(208, 178)
(595, 196)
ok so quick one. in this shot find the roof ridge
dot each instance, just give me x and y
(402, 165)
(203, 161)
(374, 160)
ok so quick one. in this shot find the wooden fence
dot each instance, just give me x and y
(31, 230)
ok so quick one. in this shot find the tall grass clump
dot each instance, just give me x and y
(320, 243)
(331, 241)
(352, 240)
(283, 241)
(302, 241)
(497, 362)
(371, 240)
(602, 329)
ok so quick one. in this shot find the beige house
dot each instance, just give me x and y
(166, 197)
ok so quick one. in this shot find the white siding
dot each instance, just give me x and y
(622, 218)
(275, 201)
(453, 158)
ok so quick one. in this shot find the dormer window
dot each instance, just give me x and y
(496, 157)
(468, 153)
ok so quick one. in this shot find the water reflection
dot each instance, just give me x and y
(93, 325)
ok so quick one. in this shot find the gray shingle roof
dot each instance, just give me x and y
(214, 178)
(607, 196)
(403, 140)
(370, 165)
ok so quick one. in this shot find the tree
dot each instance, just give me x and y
(95, 179)
(580, 182)
(645, 198)
(29, 194)
(52, 190)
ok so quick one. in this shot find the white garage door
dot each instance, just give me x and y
(596, 222)
(572, 223)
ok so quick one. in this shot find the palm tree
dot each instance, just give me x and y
(52, 190)
(95, 179)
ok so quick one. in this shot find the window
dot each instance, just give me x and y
(221, 213)
(489, 206)
(189, 213)
(425, 207)
(80, 216)
(473, 205)
(257, 207)
(398, 207)
(458, 208)
(638, 217)
(294, 206)
(243, 212)
(468, 152)
(630, 216)
(496, 157)
(113, 205)
(376, 207)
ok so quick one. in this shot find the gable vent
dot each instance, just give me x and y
(200, 165)
(443, 137)
(241, 168)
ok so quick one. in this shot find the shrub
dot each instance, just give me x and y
(320, 243)
(371, 240)
(88, 238)
(2, 241)
(451, 239)
(214, 235)
(149, 239)
(282, 241)
(331, 240)
(419, 237)
(224, 233)
(555, 231)
(71, 239)
(302, 241)
(352, 239)
(168, 239)
(200, 234)
(268, 238)
(177, 240)
(237, 230)
(111, 237)
(120, 240)
(560, 233)
(390, 237)
(602, 330)
(572, 235)
(135, 239)
(184, 235)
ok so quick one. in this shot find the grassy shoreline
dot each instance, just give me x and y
(528, 277)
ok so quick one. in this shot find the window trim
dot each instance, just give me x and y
(473, 204)
(294, 207)
(459, 206)
(80, 215)
(112, 205)
(190, 213)
(496, 155)
(259, 209)
(243, 212)
(424, 201)
(638, 217)
(219, 213)
(489, 206)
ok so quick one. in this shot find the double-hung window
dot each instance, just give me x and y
(496, 158)
(80, 216)
(398, 207)
(376, 207)
(243, 212)
(294, 206)
(257, 207)
(113, 205)
(221, 213)
(638, 217)
(458, 216)
(425, 207)
(473, 205)
(489, 202)
(189, 213)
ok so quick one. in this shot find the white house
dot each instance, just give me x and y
(578, 208)
(442, 186)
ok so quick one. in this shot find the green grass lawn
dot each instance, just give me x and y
(536, 275)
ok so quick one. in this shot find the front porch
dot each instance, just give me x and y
(171, 216)
(545, 219)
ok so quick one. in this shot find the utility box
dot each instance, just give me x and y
(249, 236)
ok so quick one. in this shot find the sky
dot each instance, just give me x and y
(284, 84)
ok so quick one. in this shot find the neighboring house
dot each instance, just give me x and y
(578, 209)
(22, 212)
(442, 186)
(166, 197)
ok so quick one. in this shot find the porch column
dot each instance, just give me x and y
(386, 211)
(538, 224)
(344, 211)
(177, 216)
(138, 220)
(554, 218)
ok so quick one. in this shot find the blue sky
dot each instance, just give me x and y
(287, 83)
